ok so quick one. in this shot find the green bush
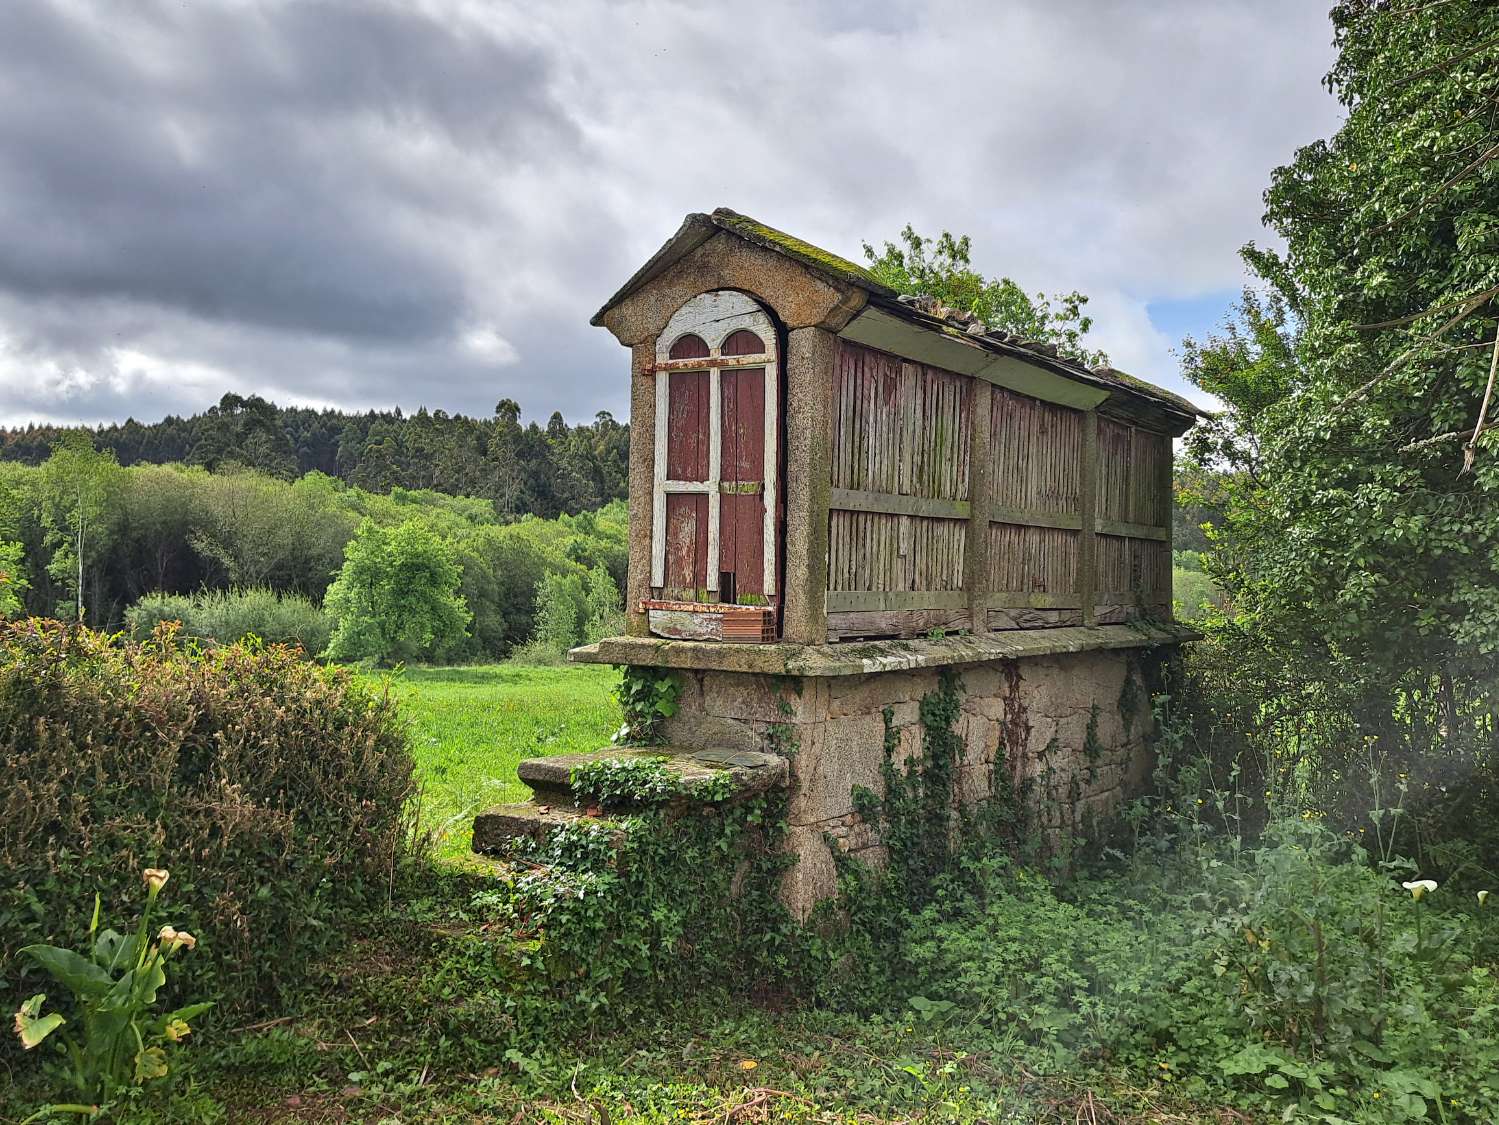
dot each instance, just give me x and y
(228, 616)
(397, 596)
(275, 790)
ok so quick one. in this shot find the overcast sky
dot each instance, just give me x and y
(359, 204)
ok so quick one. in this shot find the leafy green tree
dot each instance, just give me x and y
(1358, 543)
(79, 485)
(602, 615)
(942, 268)
(396, 596)
(13, 584)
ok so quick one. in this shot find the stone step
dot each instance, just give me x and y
(497, 829)
(749, 772)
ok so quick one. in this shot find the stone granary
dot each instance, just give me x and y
(835, 494)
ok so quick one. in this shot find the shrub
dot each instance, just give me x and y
(277, 791)
(396, 596)
(228, 616)
(561, 613)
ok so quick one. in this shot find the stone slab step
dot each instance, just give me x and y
(750, 772)
(497, 828)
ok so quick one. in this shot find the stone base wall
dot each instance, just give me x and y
(1071, 732)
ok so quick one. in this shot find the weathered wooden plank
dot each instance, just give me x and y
(896, 623)
(1020, 600)
(1087, 549)
(1033, 559)
(849, 600)
(1069, 520)
(1000, 620)
(685, 625)
(1131, 530)
(858, 500)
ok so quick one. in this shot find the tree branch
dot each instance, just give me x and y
(1446, 63)
(1462, 315)
(1413, 317)
(1471, 448)
(1482, 159)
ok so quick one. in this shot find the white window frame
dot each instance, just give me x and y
(714, 317)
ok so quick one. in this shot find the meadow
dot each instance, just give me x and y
(471, 724)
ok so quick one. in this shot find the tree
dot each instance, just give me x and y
(13, 582)
(78, 488)
(396, 596)
(1359, 546)
(942, 268)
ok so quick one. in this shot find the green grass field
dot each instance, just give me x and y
(471, 725)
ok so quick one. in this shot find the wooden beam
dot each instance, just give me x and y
(1087, 565)
(1067, 520)
(1132, 530)
(1021, 600)
(976, 544)
(843, 601)
(858, 500)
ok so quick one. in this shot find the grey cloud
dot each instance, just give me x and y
(317, 200)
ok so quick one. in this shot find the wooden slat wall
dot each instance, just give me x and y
(1036, 454)
(901, 427)
(901, 430)
(879, 551)
(1032, 560)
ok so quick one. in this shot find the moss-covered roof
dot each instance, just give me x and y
(815, 257)
(698, 228)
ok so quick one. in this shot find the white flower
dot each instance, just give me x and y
(154, 877)
(1483, 897)
(1420, 887)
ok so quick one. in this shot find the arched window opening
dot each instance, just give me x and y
(690, 346)
(743, 342)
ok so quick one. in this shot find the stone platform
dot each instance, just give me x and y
(554, 803)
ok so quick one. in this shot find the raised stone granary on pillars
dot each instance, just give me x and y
(837, 492)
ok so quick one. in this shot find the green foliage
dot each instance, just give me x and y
(226, 616)
(542, 469)
(470, 726)
(614, 783)
(119, 1041)
(279, 787)
(77, 487)
(561, 609)
(396, 596)
(942, 268)
(1356, 545)
(648, 697)
(13, 582)
(619, 916)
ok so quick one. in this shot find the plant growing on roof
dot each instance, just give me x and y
(942, 268)
(120, 1043)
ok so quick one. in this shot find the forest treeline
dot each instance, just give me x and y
(541, 470)
(81, 527)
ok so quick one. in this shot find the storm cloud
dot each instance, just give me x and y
(361, 203)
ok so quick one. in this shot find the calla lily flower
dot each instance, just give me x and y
(155, 877)
(1483, 897)
(1420, 887)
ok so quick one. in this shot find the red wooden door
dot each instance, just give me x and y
(714, 520)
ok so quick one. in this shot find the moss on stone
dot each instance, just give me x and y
(814, 256)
